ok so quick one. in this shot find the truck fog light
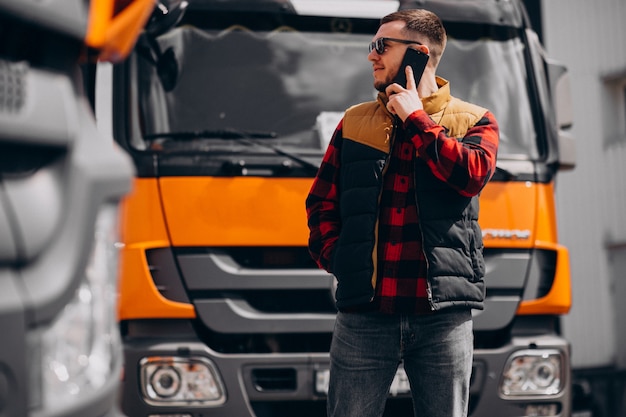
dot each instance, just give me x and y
(188, 381)
(541, 410)
(533, 373)
(322, 379)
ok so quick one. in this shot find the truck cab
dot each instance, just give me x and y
(226, 108)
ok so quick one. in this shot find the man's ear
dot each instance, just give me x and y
(422, 48)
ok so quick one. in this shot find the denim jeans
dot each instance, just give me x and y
(436, 351)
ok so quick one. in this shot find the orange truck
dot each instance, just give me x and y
(226, 108)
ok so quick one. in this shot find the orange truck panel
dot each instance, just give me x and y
(143, 228)
(240, 211)
(240, 220)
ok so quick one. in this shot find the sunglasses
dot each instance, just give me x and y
(379, 44)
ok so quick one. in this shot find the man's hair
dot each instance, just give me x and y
(425, 23)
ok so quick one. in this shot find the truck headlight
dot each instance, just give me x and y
(187, 381)
(79, 352)
(533, 372)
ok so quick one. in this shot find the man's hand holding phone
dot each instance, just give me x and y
(404, 100)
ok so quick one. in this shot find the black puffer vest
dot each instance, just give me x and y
(452, 240)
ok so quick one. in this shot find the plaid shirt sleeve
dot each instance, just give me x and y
(322, 205)
(466, 164)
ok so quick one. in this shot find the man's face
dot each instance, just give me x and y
(386, 65)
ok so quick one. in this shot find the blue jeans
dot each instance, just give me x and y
(437, 351)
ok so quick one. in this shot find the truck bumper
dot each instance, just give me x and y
(278, 384)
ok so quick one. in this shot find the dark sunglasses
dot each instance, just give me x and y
(379, 44)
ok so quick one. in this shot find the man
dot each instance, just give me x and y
(393, 215)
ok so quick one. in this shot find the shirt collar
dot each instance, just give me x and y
(439, 99)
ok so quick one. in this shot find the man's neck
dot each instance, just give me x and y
(428, 86)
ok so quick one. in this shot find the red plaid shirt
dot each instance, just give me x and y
(401, 285)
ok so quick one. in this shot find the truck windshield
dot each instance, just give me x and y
(297, 83)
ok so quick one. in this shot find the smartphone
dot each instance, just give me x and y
(417, 60)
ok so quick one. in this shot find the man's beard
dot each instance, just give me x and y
(382, 86)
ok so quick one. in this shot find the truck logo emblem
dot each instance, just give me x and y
(511, 234)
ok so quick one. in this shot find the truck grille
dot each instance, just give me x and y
(274, 379)
(275, 299)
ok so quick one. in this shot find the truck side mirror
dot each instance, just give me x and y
(166, 15)
(562, 101)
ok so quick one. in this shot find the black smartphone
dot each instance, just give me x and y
(417, 60)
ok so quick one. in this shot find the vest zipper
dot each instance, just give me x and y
(429, 291)
(391, 139)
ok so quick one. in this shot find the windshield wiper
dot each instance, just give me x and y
(243, 136)
(310, 166)
(216, 133)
